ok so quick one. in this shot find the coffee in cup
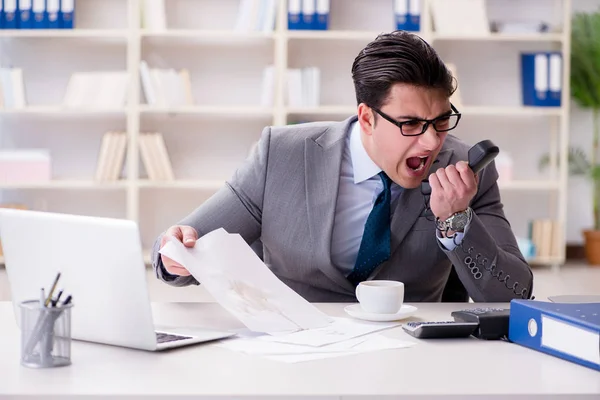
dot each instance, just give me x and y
(379, 296)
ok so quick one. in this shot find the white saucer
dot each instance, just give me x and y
(356, 311)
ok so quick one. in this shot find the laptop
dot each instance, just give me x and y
(101, 264)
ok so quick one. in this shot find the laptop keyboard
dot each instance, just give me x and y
(167, 337)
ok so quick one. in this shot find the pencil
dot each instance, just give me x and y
(52, 290)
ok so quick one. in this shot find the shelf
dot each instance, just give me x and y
(517, 111)
(502, 37)
(238, 111)
(219, 36)
(64, 33)
(322, 110)
(333, 35)
(529, 185)
(66, 184)
(181, 184)
(62, 111)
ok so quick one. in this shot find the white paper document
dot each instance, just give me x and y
(340, 330)
(240, 282)
(292, 353)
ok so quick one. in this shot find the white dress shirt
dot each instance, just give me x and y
(359, 186)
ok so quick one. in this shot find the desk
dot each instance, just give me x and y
(460, 367)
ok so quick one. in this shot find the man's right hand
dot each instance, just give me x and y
(186, 235)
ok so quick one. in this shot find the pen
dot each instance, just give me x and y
(55, 301)
(42, 297)
(67, 300)
(52, 290)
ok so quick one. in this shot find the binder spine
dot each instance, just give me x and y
(38, 11)
(309, 14)
(541, 79)
(322, 22)
(67, 14)
(9, 20)
(294, 14)
(25, 17)
(414, 16)
(53, 13)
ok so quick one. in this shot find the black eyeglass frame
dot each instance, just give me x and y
(426, 121)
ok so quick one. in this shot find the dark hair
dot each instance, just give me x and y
(397, 57)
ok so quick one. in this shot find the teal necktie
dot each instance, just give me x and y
(375, 244)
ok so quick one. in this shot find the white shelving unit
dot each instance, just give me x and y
(207, 141)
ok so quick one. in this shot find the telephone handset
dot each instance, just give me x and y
(480, 155)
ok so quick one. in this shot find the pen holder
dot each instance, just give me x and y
(45, 335)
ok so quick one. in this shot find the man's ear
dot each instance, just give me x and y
(366, 119)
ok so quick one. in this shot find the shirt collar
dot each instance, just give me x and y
(362, 165)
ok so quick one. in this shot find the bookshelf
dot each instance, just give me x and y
(209, 139)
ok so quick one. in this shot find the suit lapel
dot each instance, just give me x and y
(410, 206)
(323, 158)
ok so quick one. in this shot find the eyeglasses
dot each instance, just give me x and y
(416, 127)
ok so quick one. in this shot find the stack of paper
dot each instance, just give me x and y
(292, 353)
(282, 324)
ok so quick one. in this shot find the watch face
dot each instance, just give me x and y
(459, 221)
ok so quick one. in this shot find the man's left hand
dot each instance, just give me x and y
(452, 189)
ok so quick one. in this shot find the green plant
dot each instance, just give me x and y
(585, 90)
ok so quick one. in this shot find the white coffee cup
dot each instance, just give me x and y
(379, 296)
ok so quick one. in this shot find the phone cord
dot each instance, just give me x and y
(476, 265)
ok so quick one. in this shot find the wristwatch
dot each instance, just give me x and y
(456, 222)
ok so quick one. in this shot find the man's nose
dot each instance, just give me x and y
(430, 139)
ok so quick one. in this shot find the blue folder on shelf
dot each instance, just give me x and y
(294, 14)
(570, 331)
(541, 74)
(10, 15)
(407, 14)
(40, 19)
(25, 17)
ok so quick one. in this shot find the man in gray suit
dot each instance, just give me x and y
(336, 203)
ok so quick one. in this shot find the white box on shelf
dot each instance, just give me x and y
(25, 165)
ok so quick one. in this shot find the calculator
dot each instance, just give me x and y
(440, 329)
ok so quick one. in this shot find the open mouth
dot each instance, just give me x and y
(417, 164)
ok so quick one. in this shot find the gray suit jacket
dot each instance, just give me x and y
(285, 195)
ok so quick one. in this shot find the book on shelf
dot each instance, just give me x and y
(97, 90)
(546, 236)
(308, 14)
(268, 86)
(256, 16)
(111, 156)
(460, 17)
(154, 155)
(504, 167)
(456, 97)
(303, 87)
(153, 15)
(25, 165)
(166, 87)
(12, 93)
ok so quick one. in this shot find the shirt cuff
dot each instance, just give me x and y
(451, 243)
